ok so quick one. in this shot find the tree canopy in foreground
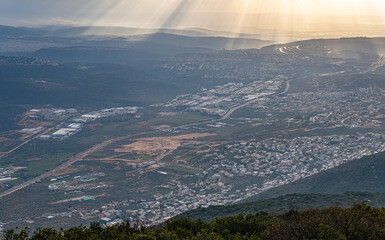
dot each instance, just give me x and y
(358, 222)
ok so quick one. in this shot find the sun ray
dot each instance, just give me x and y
(282, 18)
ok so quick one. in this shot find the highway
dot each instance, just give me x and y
(97, 147)
(281, 50)
(71, 161)
(81, 156)
(231, 111)
(59, 168)
(287, 87)
(25, 142)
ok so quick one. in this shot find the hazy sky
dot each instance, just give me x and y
(231, 15)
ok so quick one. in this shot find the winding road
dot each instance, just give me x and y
(97, 147)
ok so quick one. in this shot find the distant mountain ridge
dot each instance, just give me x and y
(123, 72)
(71, 31)
(143, 47)
(160, 42)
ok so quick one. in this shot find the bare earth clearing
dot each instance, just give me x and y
(159, 145)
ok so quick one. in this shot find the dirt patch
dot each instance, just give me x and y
(117, 168)
(370, 125)
(113, 160)
(160, 145)
(154, 166)
(300, 130)
(203, 151)
(66, 171)
(160, 127)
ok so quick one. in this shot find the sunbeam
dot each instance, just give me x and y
(308, 18)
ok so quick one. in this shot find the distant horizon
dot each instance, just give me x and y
(282, 36)
(319, 18)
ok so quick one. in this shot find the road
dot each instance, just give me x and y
(97, 147)
(281, 50)
(59, 168)
(287, 87)
(81, 156)
(231, 111)
(25, 142)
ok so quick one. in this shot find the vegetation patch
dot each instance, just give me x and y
(357, 222)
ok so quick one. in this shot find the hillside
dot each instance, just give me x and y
(29, 82)
(356, 223)
(40, 82)
(328, 188)
(366, 175)
(285, 203)
(343, 47)
(130, 50)
(114, 45)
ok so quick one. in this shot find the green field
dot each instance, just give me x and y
(179, 119)
(144, 157)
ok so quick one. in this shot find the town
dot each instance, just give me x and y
(235, 172)
(265, 126)
(219, 100)
(351, 109)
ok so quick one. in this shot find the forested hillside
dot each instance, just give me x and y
(362, 175)
(285, 203)
(358, 222)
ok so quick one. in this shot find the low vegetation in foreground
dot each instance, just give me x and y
(358, 222)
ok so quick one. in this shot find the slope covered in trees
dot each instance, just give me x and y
(358, 222)
(364, 179)
(362, 175)
(283, 204)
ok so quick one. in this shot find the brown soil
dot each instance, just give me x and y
(160, 127)
(159, 145)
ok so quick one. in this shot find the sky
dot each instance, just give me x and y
(354, 17)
